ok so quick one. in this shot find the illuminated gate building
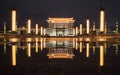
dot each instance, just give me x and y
(60, 27)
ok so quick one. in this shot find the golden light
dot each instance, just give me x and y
(87, 39)
(102, 20)
(102, 39)
(28, 39)
(73, 42)
(76, 43)
(13, 20)
(4, 27)
(29, 49)
(94, 26)
(80, 29)
(5, 47)
(44, 42)
(13, 39)
(44, 31)
(117, 48)
(116, 27)
(41, 43)
(88, 26)
(93, 50)
(41, 30)
(36, 29)
(29, 26)
(80, 47)
(87, 50)
(76, 30)
(36, 46)
(36, 39)
(80, 39)
(101, 55)
(73, 32)
(13, 55)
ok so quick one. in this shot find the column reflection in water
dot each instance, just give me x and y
(76, 43)
(36, 44)
(13, 55)
(73, 42)
(29, 49)
(41, 43)
(105, 46)
(87, 50)
(44, 42)
(5, 46)
(93, 50)
(116, 48)
(101, 55)
(80, 47)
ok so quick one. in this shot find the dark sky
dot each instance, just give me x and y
(40, 10)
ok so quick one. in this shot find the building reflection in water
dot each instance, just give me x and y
(60, 48)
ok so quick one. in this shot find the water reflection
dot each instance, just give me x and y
(65, 49)
(87, 50)
(14, 47)
(102, 55)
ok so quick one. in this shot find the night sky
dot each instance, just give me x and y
(40, 10)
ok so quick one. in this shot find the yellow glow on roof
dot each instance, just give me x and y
(60, 20)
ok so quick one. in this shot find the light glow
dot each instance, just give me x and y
(29, 27)
(73, 32)
(44, 42)
(36, 29)
(76, 43)
(102, 21)
(13, 20)
(88, 26)
(94, 26)
(13, 55)
(76, 30)
(101, 55)
(29, 49)
(44, 31)
(41, 43)
(36, 44)
(87, 50)
(80, 29)
(41, 30)
(80, 47)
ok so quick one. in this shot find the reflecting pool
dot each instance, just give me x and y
(43, 56)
